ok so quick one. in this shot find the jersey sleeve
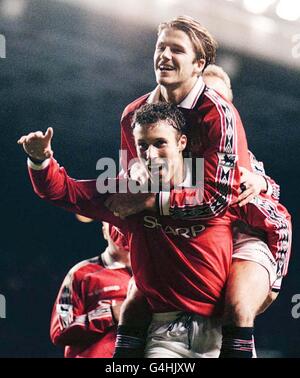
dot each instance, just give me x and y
(226, 151)
(258, 167)
(272, 218)
(128, 150)
(52, 183)
(71, 324)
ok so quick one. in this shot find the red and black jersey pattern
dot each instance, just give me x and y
(258, 168)
(82, 319)
(218, 126)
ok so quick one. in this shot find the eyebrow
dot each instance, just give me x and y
(155, 140)
(172, 45)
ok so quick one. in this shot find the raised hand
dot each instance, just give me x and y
(38, 145)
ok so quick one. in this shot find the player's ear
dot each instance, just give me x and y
(199, 66)
(182, 142)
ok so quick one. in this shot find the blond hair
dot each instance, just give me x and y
(204, 44)
(217, 71)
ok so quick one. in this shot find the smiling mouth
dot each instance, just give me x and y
(165, 68)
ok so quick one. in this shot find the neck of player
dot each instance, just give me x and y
(176, 93)
(179, 175)
(118, 255)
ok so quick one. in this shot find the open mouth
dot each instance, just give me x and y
(165, 68)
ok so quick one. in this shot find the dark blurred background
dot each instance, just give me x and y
(75, 65)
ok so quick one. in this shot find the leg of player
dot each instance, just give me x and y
(247, 289)
(134, 321)
(269, 300)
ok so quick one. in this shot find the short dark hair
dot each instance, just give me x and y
(160, 111)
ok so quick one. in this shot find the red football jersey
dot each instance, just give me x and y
(82, 319)
(215, 133)
(178, 264)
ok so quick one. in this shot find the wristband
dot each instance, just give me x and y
(36, 161)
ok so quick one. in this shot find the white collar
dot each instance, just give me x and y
(188, 102)
(109, 262)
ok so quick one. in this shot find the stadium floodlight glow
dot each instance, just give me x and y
(257, 6)
(288, 9)
(262, 24)
(166, 3)
(12, 8)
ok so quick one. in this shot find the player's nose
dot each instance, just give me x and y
(166, 53)
(151, 153)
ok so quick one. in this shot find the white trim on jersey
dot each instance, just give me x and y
(188, 102)
(38, 167)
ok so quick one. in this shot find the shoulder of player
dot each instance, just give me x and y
(212, 103)
(134, 105)
(85, 267)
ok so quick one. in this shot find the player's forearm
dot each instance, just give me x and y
(273, 189)
(47, 179)
(207, 200)
(53, 184)
(100, 320)
(82, 329)
(69, 333)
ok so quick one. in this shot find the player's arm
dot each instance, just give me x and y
(272, 189)
(52, 183)
(256, 182)
(68, 320)
(227, 151)
(71, 324)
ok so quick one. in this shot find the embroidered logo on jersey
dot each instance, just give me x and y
(65, 313)
(186, 232)
(227, 160)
